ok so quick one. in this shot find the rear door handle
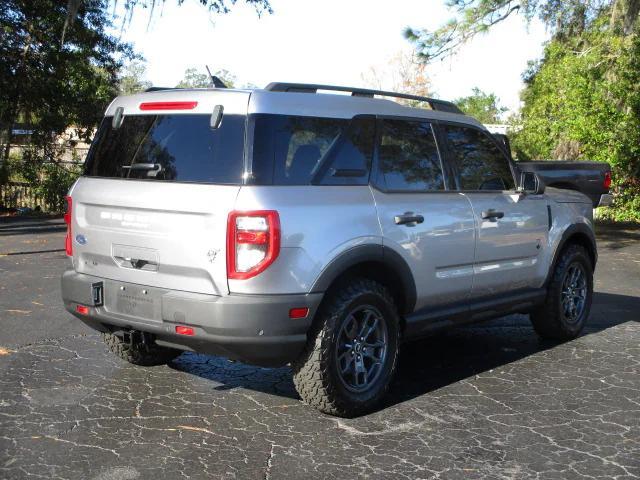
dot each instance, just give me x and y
(492, 214)
(408, 218)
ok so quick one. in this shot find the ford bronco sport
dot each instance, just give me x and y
(291, 226)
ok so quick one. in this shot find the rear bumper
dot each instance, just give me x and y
(252, 328)
(605, 200)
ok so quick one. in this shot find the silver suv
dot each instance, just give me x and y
(293, 226)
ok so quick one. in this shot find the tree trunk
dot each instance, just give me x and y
(624, 15)
(7, 146)
(14, 109)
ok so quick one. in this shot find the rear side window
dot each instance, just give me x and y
(409, 158)
(295, 150)
(481, 164)
(169, 147)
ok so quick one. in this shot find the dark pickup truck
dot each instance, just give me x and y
(590, 178)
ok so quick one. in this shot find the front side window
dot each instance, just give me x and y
(169, 147)
(481, 164)
(409, 158)
(295, 150)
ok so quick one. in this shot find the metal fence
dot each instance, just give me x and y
(21, 195)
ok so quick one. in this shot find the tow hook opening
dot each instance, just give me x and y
(97, 295)
(136, 337)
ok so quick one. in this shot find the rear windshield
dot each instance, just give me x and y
(180, 148)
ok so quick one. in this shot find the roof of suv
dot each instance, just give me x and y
(299, 100)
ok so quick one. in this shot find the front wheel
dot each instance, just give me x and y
(352, 351)
(568, 302)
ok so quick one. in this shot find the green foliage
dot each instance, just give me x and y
(195, 79)
(55, 181)
(582, 102)
(130, 79)
(51, 85)
(49, 181)
(483, 106)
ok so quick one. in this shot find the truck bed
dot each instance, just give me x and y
(588, 178)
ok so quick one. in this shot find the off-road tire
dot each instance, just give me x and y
(146, 355)
(315, 371)
(548, 320)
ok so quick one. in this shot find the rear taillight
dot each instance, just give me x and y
(607, 180)
(68, 244)
(253, 242)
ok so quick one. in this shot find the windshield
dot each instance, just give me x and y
(169, 147)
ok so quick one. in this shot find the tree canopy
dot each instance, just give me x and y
(564, 18)
(131, 78)
(485, 107)
(50, 85)
(581, 100)
(194, 78)
(131, 6)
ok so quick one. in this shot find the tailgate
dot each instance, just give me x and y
(161, 234)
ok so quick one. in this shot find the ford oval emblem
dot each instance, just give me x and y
(81, 239)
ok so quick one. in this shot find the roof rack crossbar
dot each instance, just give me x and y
(435, 104)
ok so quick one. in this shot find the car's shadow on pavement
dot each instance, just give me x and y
(450, 357)
(428, 364)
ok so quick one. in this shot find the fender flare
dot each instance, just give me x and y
(370, 253)
(576, 228)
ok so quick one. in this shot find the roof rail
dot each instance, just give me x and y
(434, 104)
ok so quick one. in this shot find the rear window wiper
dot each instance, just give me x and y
(143, 166)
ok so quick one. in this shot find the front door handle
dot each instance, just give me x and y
(492, 214)
(408, 218)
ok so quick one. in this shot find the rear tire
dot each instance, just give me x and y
(137, 353)
(570, 292)
(352, 351)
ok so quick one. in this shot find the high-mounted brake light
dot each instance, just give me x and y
(253, 242)
(168, 105)
(607, 180)
(68, 244)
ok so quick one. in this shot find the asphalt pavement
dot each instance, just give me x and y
(486, 401)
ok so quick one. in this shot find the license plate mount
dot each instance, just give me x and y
(134, 301)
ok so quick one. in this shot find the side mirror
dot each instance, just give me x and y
(530, 183)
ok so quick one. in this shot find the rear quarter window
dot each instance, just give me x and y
(180, 148)
(296, 150)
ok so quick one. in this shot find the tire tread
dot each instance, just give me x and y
(546, 319)
(311, 371)
(139, 354)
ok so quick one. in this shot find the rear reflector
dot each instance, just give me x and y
(299, 312)
(168, 105)
(82, 310)
(607, 180)
(182, 330)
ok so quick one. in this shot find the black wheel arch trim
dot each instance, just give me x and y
(371, 253)
(576, 228)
